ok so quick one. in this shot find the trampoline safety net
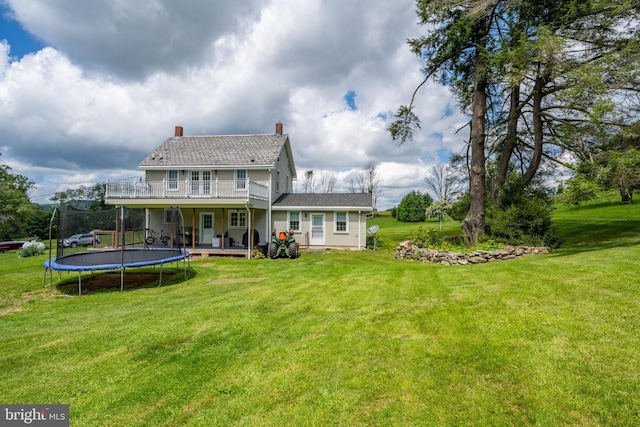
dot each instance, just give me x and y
(112, 239)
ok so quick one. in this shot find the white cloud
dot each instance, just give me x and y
(119, 80)
(133, 39)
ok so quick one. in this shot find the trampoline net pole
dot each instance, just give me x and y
(53, 216)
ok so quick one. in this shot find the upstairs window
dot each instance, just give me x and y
(241, 179)
(172, 180)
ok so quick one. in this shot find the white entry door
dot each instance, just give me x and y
(206, 227)
(317, 229)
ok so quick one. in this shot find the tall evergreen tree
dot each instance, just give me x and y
(536, 77)
(456, 53)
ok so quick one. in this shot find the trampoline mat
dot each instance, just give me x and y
(111, 260)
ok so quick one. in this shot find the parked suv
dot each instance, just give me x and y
(80, 240)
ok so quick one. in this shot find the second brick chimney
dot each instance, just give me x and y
(278, 128)
(179, 130)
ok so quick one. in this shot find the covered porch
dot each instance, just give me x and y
(211, 230)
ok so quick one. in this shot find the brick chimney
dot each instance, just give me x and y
(278, 128)
(179, 130)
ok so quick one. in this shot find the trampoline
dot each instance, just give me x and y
(120, 258)
(116, 260)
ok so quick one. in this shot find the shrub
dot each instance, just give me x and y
(31, 248)
(427, 236)
(370, 242)
(523, 218)
(579, 189)
(455, 241)
(460, 208)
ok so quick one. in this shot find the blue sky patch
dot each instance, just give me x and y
(443, 155)
(449, 111)
(21, 42)
(350, 99)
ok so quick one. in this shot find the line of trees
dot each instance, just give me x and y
(20, 218)
(539, 79)
(15, 207)
(363, 181)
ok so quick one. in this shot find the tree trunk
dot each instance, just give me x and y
(473, 225)
(626, 197)
(538, 130)
(510, 142)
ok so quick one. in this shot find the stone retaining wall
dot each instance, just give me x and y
(406, 250)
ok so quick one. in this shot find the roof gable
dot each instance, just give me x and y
(217, 151)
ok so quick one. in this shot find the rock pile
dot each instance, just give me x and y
(407, 250)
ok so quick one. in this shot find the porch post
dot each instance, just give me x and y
(249, 232)
(173, 226)
(222, 241)
(144, 234)
(268, 234)
(117, 238)
(147, 221)
(193, 228)
(360, 230)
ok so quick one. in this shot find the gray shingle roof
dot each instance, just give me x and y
(228, 150)
(322, 200)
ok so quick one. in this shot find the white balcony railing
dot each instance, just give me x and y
(165, 189)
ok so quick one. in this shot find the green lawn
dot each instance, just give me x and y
(344, 338)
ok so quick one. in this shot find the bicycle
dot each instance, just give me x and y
(153, 236)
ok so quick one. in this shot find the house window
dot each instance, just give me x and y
(237, 219)
(287, 189)
(341, 222)
(294, 221)
(172, 180)
(278, 182)
(167, 216)
(195, 182)
(241, 179)
(206, 182)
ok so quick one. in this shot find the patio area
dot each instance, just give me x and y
(205, 251)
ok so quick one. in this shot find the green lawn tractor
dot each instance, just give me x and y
(283, 245)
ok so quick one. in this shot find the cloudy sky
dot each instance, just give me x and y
(88, 89)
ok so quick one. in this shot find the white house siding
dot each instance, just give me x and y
(283, 166)
(261, 176)
(352, 239)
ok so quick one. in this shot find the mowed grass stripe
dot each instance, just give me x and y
(352, 338)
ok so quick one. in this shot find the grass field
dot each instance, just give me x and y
(344, 338)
